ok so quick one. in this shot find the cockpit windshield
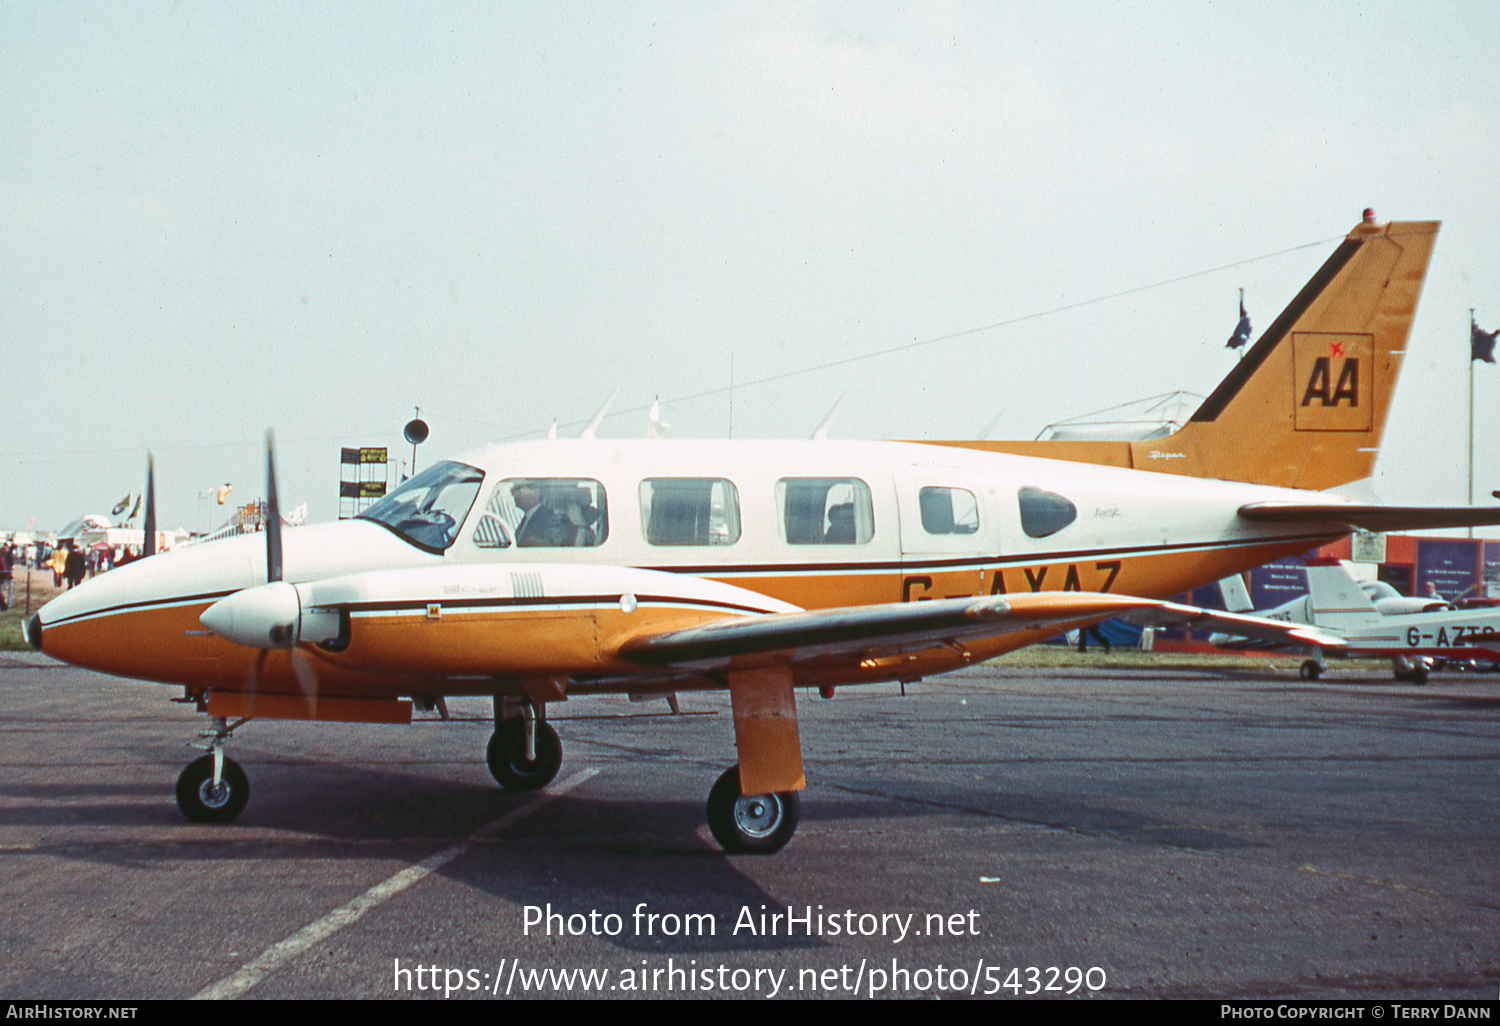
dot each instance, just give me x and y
(428, 509)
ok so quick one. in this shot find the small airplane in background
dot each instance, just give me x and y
(1373, 620)
(546, 571)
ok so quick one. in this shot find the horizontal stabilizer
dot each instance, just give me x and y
(1371, 518)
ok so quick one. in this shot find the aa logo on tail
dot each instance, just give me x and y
(1333, 382)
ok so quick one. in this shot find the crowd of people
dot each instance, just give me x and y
(69, 562)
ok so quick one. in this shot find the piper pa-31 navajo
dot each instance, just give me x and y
(540, 572)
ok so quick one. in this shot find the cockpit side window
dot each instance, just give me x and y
(428, 509)
(547, 512)
(825, 510)
(690, 511)
(948, 510)
(1044, 513)
(491, 532)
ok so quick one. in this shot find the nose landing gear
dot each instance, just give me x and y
(213, 788)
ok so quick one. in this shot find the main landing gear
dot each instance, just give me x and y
(525, 753)
(1413, 669)
(213, 788)
(751, 824)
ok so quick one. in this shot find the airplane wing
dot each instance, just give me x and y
(869, 632)
(1372, 517)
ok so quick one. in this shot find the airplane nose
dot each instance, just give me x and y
(34, 631)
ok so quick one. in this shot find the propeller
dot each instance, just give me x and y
(267, 616)
(302, 663)
(150, 548)
(272, 514)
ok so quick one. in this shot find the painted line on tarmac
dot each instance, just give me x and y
(274, 957)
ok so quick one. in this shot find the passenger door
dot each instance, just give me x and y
(948, 528)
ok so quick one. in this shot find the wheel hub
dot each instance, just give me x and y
(757, 815)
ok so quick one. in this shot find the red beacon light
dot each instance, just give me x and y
(1369, 215)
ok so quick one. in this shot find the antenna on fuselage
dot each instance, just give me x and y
(822, 431)
(593, 425)
(989, 428)
(655, 426)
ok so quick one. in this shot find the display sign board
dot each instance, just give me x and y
(363, 478)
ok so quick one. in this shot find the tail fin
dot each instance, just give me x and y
(1306, 405)
(1236, 596)
(1337, 600)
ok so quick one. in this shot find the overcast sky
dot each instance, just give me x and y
(221, 218)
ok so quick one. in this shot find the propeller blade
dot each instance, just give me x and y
(150, 549)
(305, 669)
(273, 515)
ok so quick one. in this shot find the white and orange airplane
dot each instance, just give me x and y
(1375, 621)
(540, 572)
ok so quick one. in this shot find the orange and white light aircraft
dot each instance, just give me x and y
(543, 571)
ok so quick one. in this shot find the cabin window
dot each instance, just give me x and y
(545, 512)
(690, 511)
(428, 509)
(825, 510)
(1044, 513)
(948, 510)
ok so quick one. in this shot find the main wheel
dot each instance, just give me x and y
(755, 824)
(1311, 670)
(506, 755)
(202, 802)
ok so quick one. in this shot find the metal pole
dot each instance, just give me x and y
(1471, 423)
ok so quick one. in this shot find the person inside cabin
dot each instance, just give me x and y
(543, 524)
(840, 524)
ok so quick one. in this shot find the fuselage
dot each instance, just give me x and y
(818, 524)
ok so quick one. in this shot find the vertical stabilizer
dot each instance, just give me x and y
(1236, 596)
(1306, 406)
(1337, 601)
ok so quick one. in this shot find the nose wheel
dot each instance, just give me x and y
(751, 824)
(213, 788)
(203, 799)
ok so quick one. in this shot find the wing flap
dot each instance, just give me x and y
(864, 632)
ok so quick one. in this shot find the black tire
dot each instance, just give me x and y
(758, 824)
(201, 802)
(1311, 670)
(506, 756)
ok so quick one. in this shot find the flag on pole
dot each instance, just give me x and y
(1242, 330)
(121, 506)
(1481, 342)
